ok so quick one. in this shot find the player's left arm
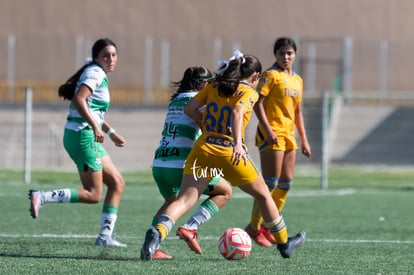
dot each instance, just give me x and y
(300, 126)
(116, 138)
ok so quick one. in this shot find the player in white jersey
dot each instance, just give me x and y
(83, 137)
(178, 137)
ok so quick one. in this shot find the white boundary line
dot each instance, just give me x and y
(306, 193)
(212, 238)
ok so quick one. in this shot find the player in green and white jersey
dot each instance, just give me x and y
(83, 137)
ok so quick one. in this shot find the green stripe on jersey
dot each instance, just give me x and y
(99, 105)
(104, 83)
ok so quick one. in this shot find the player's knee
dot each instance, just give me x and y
(120, 185)
(228, 192)
(223, 189)
(94, 197)
(116, 184)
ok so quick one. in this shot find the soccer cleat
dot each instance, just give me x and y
(268, 235)
(100, 241)
(36, 202)
(190, 237)
(258, 236)
(151, 244)
(293, 243)
(160, 254)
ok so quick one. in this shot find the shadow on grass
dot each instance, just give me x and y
(104, 256)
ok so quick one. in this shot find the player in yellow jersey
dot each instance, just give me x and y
(221, 150)
(279, 111)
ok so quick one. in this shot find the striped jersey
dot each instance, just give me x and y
(178, 135)
(98, 103)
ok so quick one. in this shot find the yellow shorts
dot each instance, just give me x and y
(284, 143)
(201, 164)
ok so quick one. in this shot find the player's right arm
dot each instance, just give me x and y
(237, 127)
(260, 112)
(80, 101)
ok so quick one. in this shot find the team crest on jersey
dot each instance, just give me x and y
(164, 142)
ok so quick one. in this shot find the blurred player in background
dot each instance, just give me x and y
(278, 110)
(83, 137)
(178, 137)
(228, 105)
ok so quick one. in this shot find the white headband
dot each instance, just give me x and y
(236, 55)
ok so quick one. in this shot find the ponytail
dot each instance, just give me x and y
(67, 90)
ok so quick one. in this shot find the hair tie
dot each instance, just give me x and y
(207, 78)
(225, 63)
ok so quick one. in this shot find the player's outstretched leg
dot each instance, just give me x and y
(151, 244)
(36, 202)
(190, 237)
(293, 243)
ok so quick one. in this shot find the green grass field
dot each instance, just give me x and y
(362, 224)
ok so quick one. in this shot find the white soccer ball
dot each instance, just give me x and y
(235, 244)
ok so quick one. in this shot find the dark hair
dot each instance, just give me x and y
(193, 79)
(282, 42)
(67, 90)
(237, 70)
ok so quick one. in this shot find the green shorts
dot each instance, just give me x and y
(169, 181)
(83, 150)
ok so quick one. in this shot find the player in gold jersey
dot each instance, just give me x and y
(279, 110)
(221, 150)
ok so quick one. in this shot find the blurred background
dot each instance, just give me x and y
(355, 58)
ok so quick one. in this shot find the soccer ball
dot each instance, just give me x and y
(235, 244)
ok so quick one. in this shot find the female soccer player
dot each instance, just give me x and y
(228, 105)
(83, 137)
(278, 110)
(178, 137)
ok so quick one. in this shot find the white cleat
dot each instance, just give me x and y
(100, 241)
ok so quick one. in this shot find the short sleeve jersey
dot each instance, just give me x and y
(217, 137)
(179, 134)
(283, 94)
(98, 103)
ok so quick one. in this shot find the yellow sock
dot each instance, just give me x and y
(256, 218)
(278, 230)
(279, 196)
(164, 225)
(163, 230)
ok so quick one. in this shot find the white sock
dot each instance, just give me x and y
(59, 195)
(200, 216)
(107, 224)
